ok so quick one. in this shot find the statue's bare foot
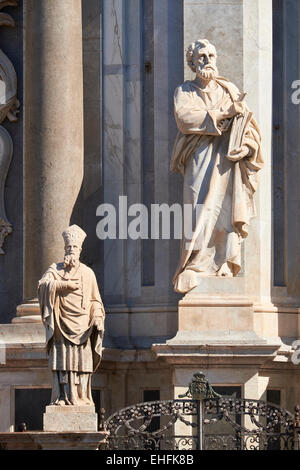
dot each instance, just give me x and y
(60, 402)
(224, 271)
(74, 401)
(86, 401)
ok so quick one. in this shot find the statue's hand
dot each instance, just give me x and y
(239, 153)
(239, 107)
(99, 323)
(72, 285)
(65, 286)
(235, 109)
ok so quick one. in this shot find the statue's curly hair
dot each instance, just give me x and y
(196, 45)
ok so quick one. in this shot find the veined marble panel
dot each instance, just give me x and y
(113, 135)
(133, 137)
(221, 22)
(161, 131)
(257, 65)
(125, 165)
(242, 34)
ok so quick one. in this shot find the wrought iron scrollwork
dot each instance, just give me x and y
(200, 388)
(212, 422)
(179, 427)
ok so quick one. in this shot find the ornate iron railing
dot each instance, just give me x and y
(207, 422)
(195, 424)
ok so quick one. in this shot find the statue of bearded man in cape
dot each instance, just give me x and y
(73, 314)
(217, 150)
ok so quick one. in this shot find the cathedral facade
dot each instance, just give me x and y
(87, 131)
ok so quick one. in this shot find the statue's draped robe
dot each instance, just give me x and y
(220, 191)
(73, 342)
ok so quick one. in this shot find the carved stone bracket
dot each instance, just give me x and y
(9, 105)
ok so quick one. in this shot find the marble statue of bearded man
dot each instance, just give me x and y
(73, 314)
(217, 150)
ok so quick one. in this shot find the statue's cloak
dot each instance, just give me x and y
(224, 188)
(73, 313)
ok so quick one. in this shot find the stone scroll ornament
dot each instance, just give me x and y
(9, 105)
(218, 152)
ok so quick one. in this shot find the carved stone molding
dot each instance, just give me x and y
(6, 150)
(9, 105)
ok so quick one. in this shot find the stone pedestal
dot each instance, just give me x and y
(70, 419)
(216, 319)
(217, 330)
(215, 313)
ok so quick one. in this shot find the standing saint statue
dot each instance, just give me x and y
(73, 314)
(217, 150)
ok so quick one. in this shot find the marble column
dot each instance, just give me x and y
(53, 133)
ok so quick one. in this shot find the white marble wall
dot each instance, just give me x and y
(241, 30)
(221, 22)
(242, 33)
(132, 169)
(257, 67)
(123, 69)
(113, 134)
(289, 131)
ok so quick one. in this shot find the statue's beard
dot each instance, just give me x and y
(208, 73)
(70, 261)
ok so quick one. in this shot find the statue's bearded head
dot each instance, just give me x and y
(73, 237)
(201, 58)
(72, 254)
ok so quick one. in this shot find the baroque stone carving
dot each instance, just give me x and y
(73, 314)
(217, 150)
(9, 105)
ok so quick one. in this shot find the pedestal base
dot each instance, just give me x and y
(28, 312)
(70, 418)
(217, 330)
(215, 313)
(51, 441)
